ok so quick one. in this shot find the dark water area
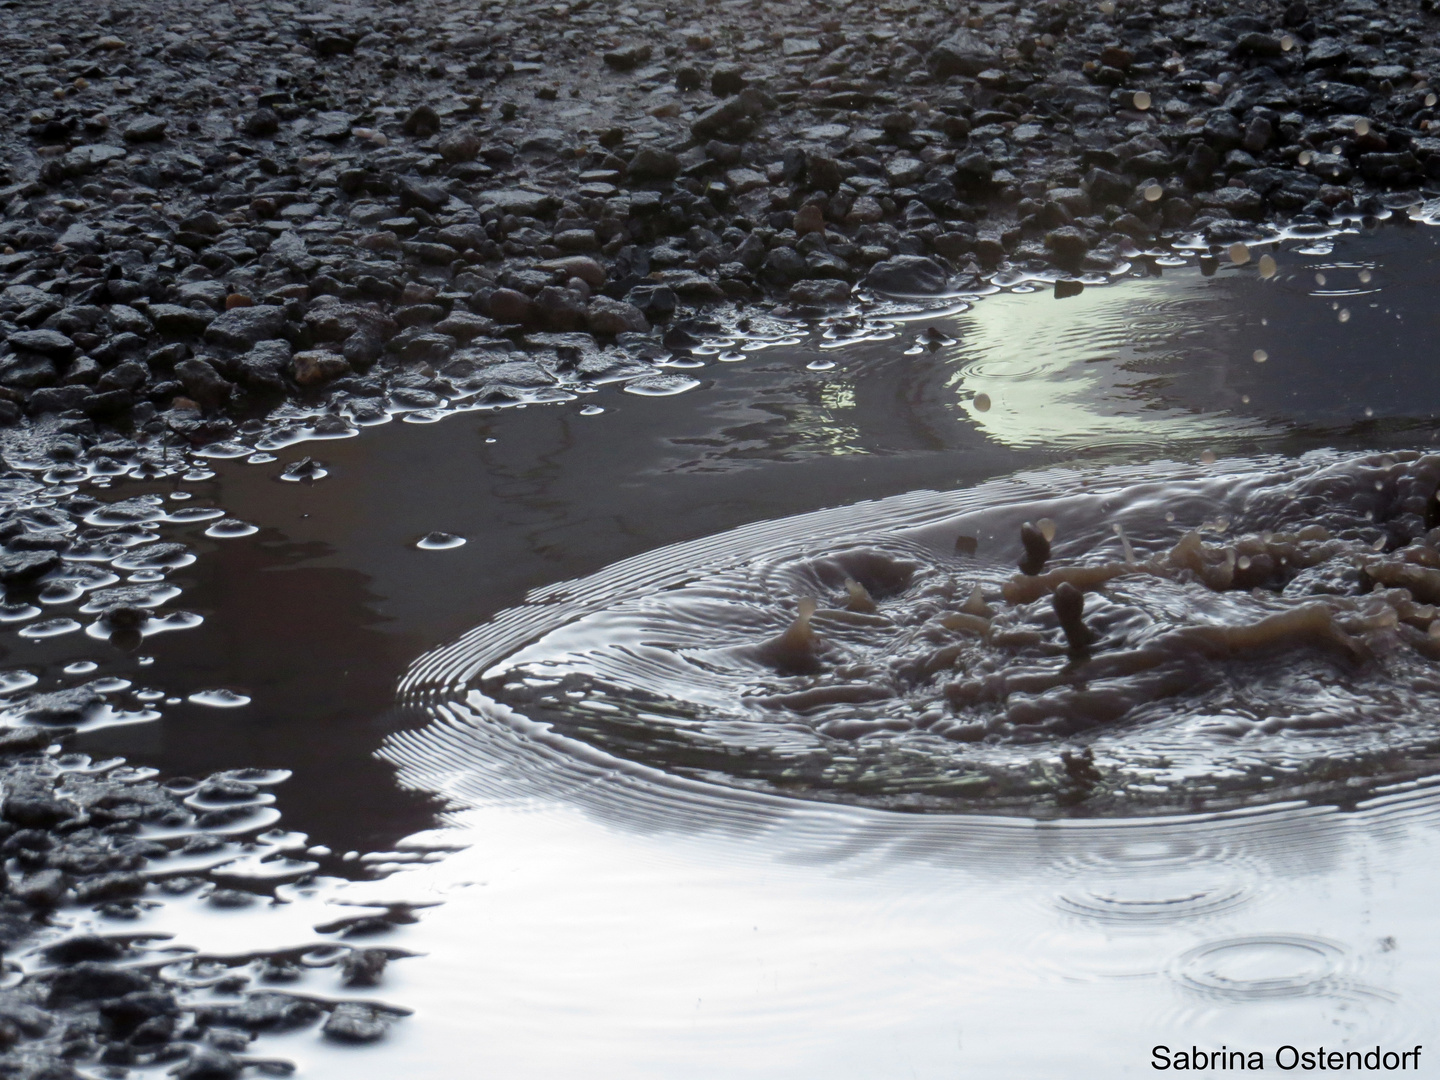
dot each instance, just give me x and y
(613, 889)
(316, 616)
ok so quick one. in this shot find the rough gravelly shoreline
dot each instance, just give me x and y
(212, 209)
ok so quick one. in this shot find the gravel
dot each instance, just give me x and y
(210, 210)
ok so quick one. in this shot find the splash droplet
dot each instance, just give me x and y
(1260, 356)
(1153, 192)
(1362, 126)
(1365, 277)
(1430, 100)
(982, 402)
(1344, 314)
(1305, 157)
(1239, 254)
(1141, 100)
(1047, 528)
(1286, 43)
(1268, 266)
(439, 541)
(1320, 279)
(1208, 457)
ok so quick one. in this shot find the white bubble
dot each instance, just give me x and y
(439, 541)
(218, 699)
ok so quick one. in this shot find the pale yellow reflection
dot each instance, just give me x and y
(1087, 369)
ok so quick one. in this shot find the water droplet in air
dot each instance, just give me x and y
(1141, 100)
(1046, 527)
(1243, 562)
(1365, 277)
(982, 402)
(439, 541)
(1362, 126)
(1244, 399)
(219, 699)
(1239, 254)
(1169, 515)
(1107, 7)
(1260, 356)
(1369, 411)
(1344, 314)
(1268, 266)
(1319, 279)
(1207, 457)
(1430, 100)
(1287, 43)
(1305, 157)
(1153, 192)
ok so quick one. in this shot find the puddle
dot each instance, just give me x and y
(629, 905)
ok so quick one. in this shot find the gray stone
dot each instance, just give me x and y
(908, 275)
(243, 327)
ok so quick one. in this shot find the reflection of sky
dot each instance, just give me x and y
(1153, 360)
(1084, 371)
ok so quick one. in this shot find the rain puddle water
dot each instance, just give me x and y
(936, 835)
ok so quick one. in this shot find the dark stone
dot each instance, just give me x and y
(50, 343)
(203, 384)
(355, 1023)
(243, 327)
(92, 982)
(908, 275)
(422, 122)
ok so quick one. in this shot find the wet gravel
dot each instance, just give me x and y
(212, 210)
(209, 210)
(107, 842)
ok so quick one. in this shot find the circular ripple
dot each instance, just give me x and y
(1262, 967)
(677, 659)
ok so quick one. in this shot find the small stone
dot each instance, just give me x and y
(241, 327)
(608, 317)
(908, 275)
(1067, 245)
(809, 218)
(510, 307)
(47, 342)
(261, 124)
(146, 129)
(461, 145)
(652, 163)
(355, 1023)
(628, 58)
(422, 122)
(314, 367)
(820, 293)
(727, 81)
